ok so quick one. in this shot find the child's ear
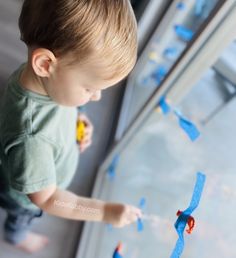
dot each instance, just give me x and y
(43, 61)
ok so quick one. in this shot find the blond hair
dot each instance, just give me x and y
(106, 29)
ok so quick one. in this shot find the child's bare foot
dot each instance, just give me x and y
(33, 243)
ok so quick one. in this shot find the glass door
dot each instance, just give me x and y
(175, 34)
(187, 127)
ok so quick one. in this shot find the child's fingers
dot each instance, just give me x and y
(85, 145)
(87, 137)
(88, 128)
(136, 212)
(86, 121)
(88, 134)
(88, 131)
(133, 214)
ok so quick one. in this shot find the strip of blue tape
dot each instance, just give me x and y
(180, 6)
(164, 106)
(112, 168)
(171, 53)
(190, 129)
(140, 226)
(159, 74)
(142, 203)
(199, 7)
(183, 32)
(181, 222)
(117, 255)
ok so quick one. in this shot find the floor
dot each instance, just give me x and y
(13, 53)
(160, 164)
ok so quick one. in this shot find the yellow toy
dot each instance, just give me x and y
(80, 131)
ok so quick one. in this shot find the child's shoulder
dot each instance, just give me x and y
(19, 107)
(24, 112)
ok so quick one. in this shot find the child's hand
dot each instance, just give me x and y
(120, 215)
(87, 139)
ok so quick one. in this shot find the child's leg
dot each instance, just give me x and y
(18, 221)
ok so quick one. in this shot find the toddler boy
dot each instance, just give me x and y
(76, 49)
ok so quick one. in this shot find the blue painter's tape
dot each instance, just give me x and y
(112, 168)
(181, 222)
(171, 53)
(180, 6)
(142, 204)
(197, 192)
(117, 251)
(187, 126)
(140, 226)
(164, 106)
(183, 32)
(117, 255)
(159, 74)
(199, 7)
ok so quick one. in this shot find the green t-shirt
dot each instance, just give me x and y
(37, 142)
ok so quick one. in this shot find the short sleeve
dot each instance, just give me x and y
(31, 165)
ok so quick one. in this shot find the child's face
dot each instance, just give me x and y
(77, 85)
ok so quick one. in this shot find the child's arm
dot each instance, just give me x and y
(68, 205)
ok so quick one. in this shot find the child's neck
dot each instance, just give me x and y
(31, 82)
